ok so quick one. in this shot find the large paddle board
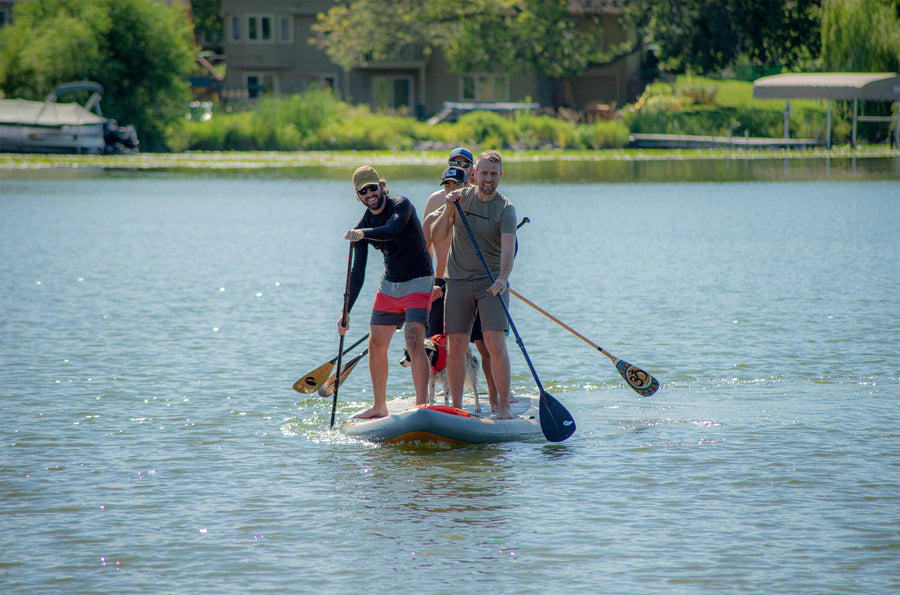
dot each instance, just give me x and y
(407, 422)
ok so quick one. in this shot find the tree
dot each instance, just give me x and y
(140, 51)
(494, 35)
(208, 20)
(861, 36)
(704, 36)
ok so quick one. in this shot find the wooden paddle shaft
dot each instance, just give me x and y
(564, 325)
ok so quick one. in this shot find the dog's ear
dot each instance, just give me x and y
(432, 351)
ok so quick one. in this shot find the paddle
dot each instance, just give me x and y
(557, 423)
(639, 380)
(328, 388)
(344, 313)
(312, 381)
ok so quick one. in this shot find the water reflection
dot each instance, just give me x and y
(644, 167)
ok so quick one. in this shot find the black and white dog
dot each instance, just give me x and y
(436, 349)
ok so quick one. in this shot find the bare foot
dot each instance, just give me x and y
(372, 413)
(504, 414)
(512, 399)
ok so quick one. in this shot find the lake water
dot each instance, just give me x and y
(152, 324)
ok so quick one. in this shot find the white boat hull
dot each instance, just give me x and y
(77, 138)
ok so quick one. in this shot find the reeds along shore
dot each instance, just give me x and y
(317, 121)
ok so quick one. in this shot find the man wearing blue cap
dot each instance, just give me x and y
(460, 159)
(469, 288)
(451, 179)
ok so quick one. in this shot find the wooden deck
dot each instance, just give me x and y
(685, 141)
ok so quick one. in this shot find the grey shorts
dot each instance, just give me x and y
(464, 298)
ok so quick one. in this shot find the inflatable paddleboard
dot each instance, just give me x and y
(408, 422)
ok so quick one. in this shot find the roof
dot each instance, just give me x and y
(880, 86)
(21, 111)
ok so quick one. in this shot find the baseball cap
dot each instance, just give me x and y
(456, 174)
(461, 152)
(364, 176)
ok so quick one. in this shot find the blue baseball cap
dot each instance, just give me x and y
(461, 152)
(455, 174)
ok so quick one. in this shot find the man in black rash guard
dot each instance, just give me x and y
(390, 224)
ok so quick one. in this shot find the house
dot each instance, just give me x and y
(6, 11)
(267, 49)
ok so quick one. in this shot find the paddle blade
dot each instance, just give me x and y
(327, 389)
(557, 423)
(639, 380)
(314, 379)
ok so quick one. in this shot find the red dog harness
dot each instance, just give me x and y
(440, 343)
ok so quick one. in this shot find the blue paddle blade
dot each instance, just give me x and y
(557, 423)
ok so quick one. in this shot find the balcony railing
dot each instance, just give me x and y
(411, 53)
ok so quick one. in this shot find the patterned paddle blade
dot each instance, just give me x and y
(642, 382)
(311, 382)
(327, 389)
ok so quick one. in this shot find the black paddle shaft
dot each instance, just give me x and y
(344, 314)
(563, 425)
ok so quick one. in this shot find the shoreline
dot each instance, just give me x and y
(250, 160)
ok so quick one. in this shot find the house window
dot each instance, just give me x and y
(285, 29)
(4, 16)
(484, 87)
(235, 28)
(259, 28)
(260, 84)
(393, 92)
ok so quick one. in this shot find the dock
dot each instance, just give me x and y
(687, 141)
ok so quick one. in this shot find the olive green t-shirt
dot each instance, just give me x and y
(488, 220)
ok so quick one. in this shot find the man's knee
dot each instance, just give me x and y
(495, 341)
(380, 338)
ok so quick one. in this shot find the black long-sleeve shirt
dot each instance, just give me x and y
(397, 232)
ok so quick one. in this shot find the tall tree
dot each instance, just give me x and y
(208, 21)
(704, 36)
(861, 35)
(548, 36)
(139, 50)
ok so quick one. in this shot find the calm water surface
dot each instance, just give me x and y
(151, 326)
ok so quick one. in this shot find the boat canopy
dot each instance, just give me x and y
(39, 113)
(879, 86)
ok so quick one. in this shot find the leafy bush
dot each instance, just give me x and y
(699, 90)
(359, 129)
(317, 120)
(489, 129)
(286, 123)
(545, 130)
(605, 134)
(684, 108)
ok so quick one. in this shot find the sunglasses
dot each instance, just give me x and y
(367, 188)
(462, 164)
